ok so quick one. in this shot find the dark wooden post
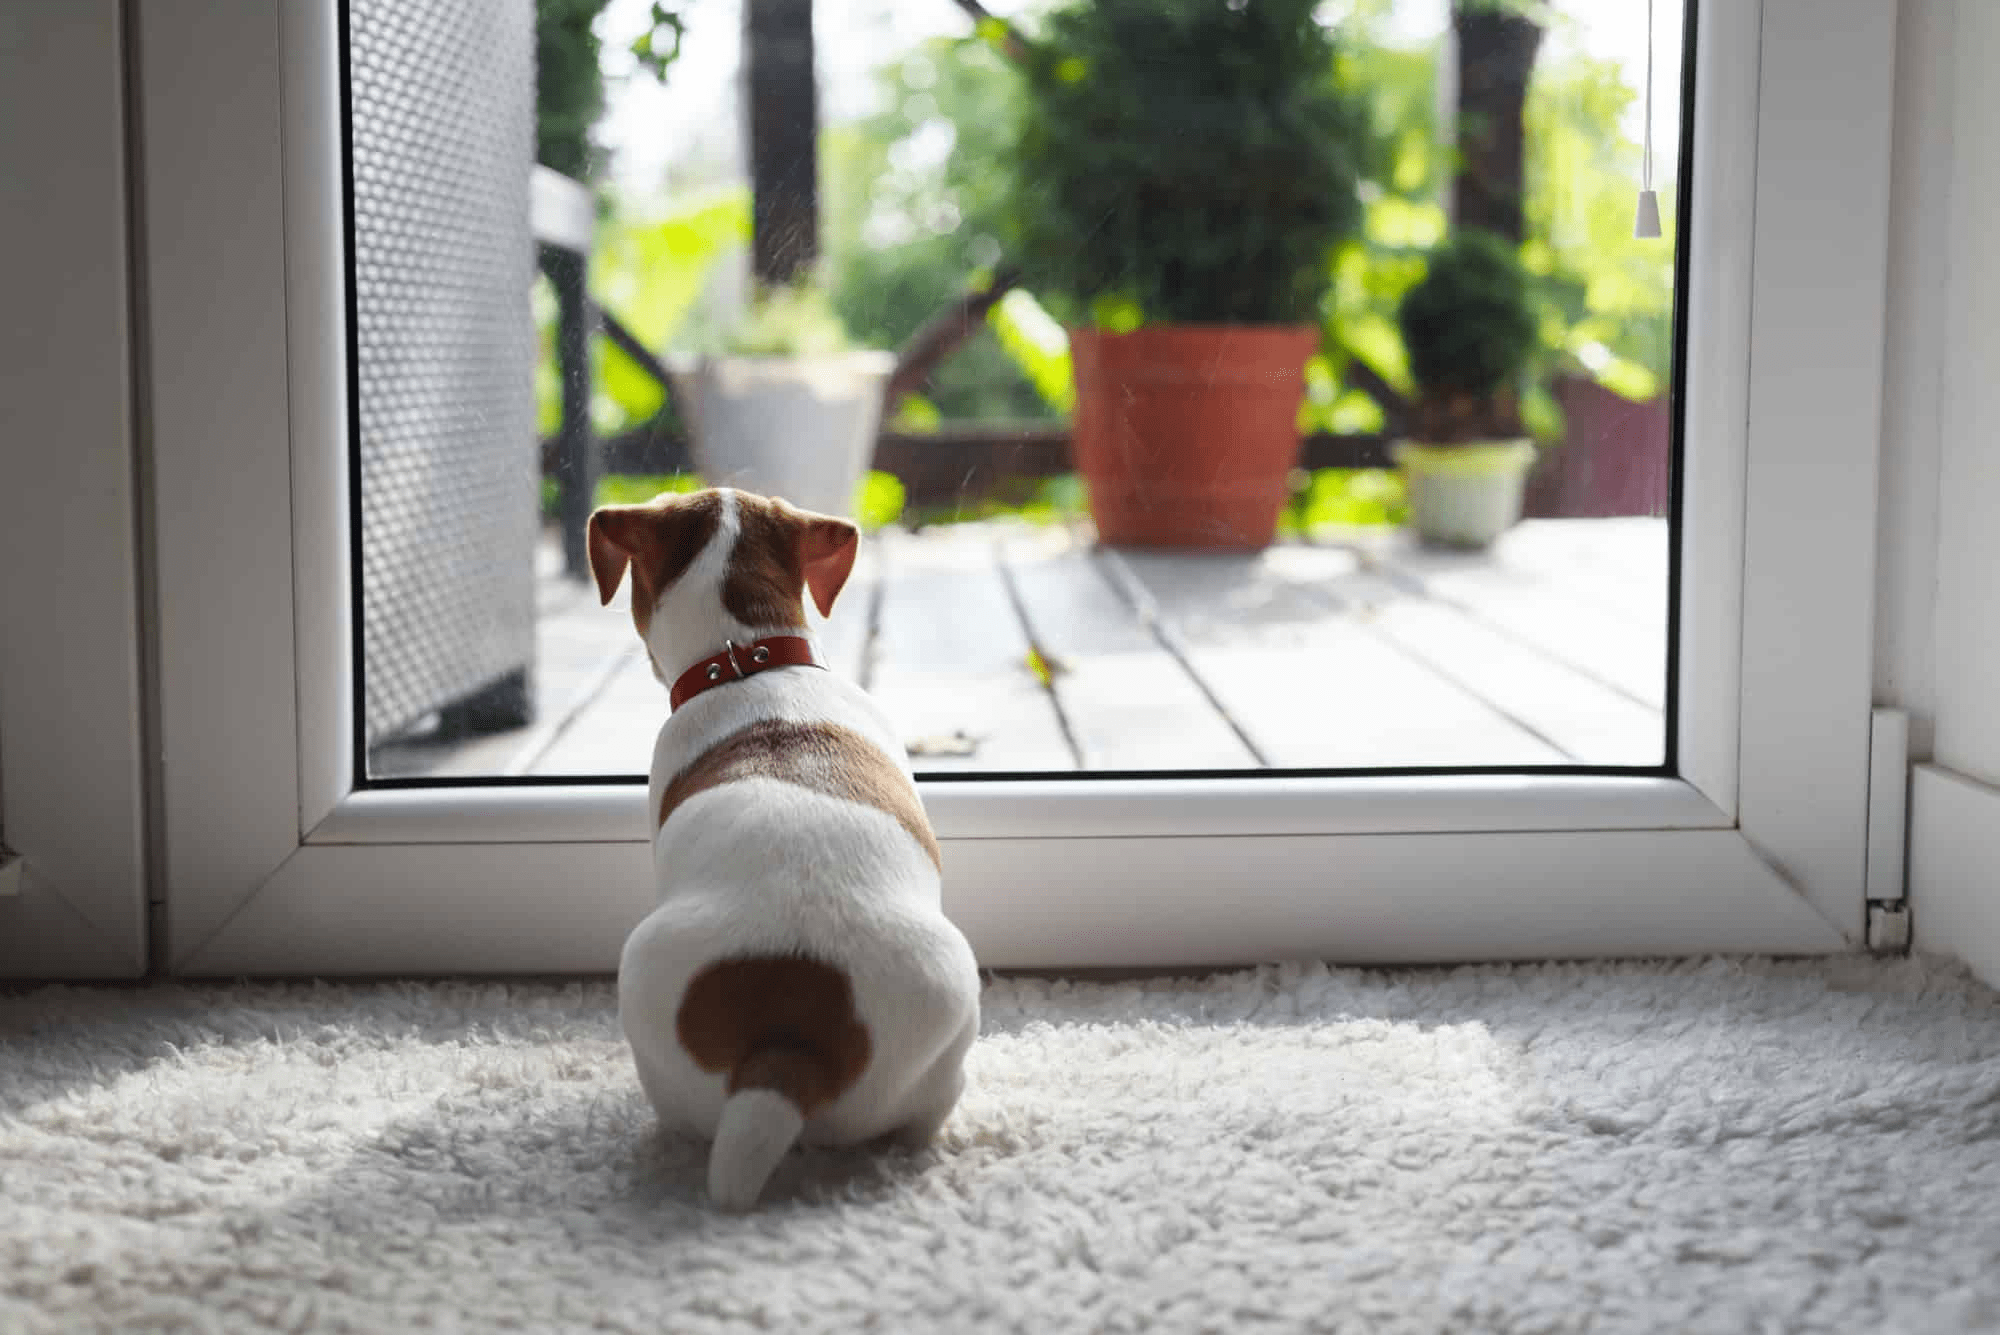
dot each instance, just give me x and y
(1496, 56)
(577, 465)
(782, 103)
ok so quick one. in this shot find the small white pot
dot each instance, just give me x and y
(802, 428)
(1465, 495)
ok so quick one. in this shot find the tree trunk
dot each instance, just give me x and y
(781, 101)
(1496, 55)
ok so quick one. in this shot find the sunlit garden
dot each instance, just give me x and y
(1306, 168)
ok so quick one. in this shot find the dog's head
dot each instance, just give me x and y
(714, 565)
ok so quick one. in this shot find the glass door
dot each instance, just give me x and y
(1385, 554)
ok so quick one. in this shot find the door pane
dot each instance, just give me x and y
(1218, 387)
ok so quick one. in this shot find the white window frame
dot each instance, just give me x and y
(72, 789)
(276, 864)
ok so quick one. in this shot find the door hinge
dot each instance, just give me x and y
(1888, 906)
(1889, 926)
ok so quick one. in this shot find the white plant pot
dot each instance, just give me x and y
(1465, 495)
(802, 428)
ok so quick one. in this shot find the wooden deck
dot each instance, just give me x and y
(1002, 647)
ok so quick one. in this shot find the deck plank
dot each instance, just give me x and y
(1313, 687)
(1591, 723)
(613, 731)
(1618, 567)
(952, 657)
(1129, 704)
(1617, 638)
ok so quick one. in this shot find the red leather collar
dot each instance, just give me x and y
(737, 661)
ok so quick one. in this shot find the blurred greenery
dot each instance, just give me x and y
(1465, 326)
(914, 199)
(1345, 498)
(1191, 161)
(794, 320)
(878, 499)
(569, 77)
(649, 272)
(915, 209)
(918, 197)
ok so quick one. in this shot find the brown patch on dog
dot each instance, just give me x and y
(784, 1023)
(659, 539)
(822, 757)
(782, 551)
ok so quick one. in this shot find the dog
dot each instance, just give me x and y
(798, 980)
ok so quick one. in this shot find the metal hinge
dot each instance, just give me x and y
(1888, 905)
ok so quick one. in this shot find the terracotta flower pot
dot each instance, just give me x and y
(1186, 435)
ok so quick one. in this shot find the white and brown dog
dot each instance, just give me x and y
(799, 979)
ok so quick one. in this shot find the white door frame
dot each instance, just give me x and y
(71, 789)
(277, 864)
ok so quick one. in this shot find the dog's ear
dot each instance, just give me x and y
(659, 540)
(611, 545)
(827, 548)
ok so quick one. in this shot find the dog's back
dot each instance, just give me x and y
(798, 977)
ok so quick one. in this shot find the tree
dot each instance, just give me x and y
(1496, 46)
(782, 98)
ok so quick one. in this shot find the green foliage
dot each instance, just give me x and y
(796, 320)
(569, 80)
(659, 46)
(1049, 500)
(912, 215)
(1467, 326)
(1607, 296)
(1346, 498)
(1038, 345)
(1603, 300)
(1192, 159)
(569, 86)
(638, 488)
(649, 272)
(878, 500)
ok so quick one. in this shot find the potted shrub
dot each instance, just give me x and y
(785, 405)
(1185, 169)
(1469, 330)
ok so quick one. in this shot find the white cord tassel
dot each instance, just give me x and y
(1647, 223)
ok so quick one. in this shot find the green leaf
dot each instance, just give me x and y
(1037, 344)
(878, 501)
(917, 415)
(1116, 314)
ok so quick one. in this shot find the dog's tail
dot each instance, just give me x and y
(783, 1030)
(772, 1092)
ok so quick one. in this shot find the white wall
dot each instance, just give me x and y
(1968, 599)
(1912, 369)
(1944, 661)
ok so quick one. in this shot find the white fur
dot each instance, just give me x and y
(763, 867)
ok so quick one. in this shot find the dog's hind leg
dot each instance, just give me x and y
(938, 1094)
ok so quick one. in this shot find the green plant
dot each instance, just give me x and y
(569, 80)
(796, 320)
(1603, 299)
(1192, 161)
(878, 500)
(649, 272)
(1470, 332)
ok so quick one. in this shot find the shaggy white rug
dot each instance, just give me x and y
(1710, 1146)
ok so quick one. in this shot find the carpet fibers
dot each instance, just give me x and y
(1700, 1146)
